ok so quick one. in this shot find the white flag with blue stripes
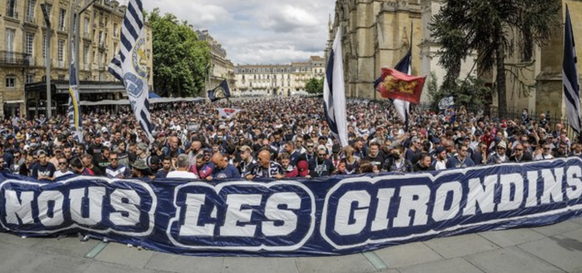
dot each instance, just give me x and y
(130, 66)
(570, 75)
(74, 110)
(334, 92)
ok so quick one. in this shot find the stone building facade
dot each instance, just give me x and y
(277, 80)
(536, 83)
(376, 34)
(221, 68)
(22, 54)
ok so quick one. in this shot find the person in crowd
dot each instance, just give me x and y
(520, 155)
(140, 170)
(247, 161)
(462, 159)
(375, 155)
(201, 169)
(88, 163)
(222, 168)
(321, 166)
(116, 170)
(285, 161)
(102, 162)
(500, 155)
(341, 167)
(182, 167)
(266, 168)
(440, 161)
(167, 167)
(352, 162)
(62, 167)
(25, 168)
(545, 153)
(396, 161)
(79, 167)
(424, 163)
(415, 149)
(44, 170)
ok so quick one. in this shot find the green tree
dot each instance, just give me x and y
(471, 92)
(314, 86)
(180, 58)
(492, 29)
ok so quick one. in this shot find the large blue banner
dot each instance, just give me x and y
(333, 216)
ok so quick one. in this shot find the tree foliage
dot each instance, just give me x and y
(493, 29)
(314, 86)
(180, 58)
(471, 92)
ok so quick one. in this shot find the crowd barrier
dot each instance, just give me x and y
(332, 216)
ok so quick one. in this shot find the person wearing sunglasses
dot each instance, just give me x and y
(500, 154)
(321, 165)
(520, 154)
(62, 167)
(545, 153)
(116, 170)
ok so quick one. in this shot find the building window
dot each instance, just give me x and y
(29, 78)
(30, 11)
(11, 9)
(10, 81)
(62, 18)
(29, 46)
(85, 57)
(10, 35)
(61, 51)
(86, 29)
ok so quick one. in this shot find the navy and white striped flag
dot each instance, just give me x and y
(570, 75)
(334, 92)
(130, 66)
(74, 111)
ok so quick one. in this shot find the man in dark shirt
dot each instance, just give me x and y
(375, 155)
(520, 155)
(166, 167)
(44, 170)
(321, 166)
(424, 163)
(222, 169)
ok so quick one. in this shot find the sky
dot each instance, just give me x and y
(258, 31)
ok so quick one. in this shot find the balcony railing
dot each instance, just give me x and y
(14, 58)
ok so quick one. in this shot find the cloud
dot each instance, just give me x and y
(290, 19)
(258, 31)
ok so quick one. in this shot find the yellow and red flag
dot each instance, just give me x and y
(398, 85)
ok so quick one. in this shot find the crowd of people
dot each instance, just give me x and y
(272, 138)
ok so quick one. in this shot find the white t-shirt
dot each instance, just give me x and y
(181, 174)
(58, 173)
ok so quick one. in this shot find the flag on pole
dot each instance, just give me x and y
(130, 65)
(334, 92)
(401, 86)
(227, 113)
(74, 111)
(570, 75)
(220, 92)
